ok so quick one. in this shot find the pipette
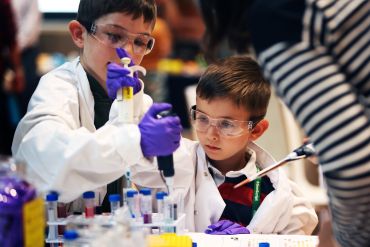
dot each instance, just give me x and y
(165, 163)
(304, 151)
(125, 95)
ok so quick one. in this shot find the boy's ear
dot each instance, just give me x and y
(76, 30)
(259, 129)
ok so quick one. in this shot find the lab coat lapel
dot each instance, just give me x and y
(85, 97)
(209, 204)
(273, 214)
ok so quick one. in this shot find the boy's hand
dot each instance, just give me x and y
(118, 77)
(159, 137)
(121, 53)
(226, 227)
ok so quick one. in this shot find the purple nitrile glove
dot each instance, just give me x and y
(118, 76)
(123, 53)
(226, 227)
(159, 136)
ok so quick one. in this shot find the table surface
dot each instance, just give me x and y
(252, 240)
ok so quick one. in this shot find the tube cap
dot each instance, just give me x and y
(146, 192)
(52, 197)
(264, 244)
(131, 193)
(115, 198)
(160, 195)
(88, 195)
(70, 235)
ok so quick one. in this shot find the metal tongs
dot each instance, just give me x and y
(304, 151)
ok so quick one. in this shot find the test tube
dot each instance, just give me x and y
(130, 201)
(168, 213)
(160, 204)
(174, 211)
(115, 202)
(89, 197)
(128, 185)
(62, 213)
(137, 207)
(52, 201)
(146, 205)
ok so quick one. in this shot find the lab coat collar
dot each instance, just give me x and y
(209, 204)
(248, 170)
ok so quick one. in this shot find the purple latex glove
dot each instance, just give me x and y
(226, 227)
(118, 77)
(123, 53)
(159, 137)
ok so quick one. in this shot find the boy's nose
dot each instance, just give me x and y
(212, 132)
(129, 48)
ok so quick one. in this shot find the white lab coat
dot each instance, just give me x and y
(283, 211)
(60, 145)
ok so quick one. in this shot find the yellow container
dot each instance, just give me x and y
(169, 240)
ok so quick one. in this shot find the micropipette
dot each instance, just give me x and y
(304, 151)
(125, 95)
(165, 163)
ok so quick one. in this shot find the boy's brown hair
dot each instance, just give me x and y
(240, 79)
(91, 10)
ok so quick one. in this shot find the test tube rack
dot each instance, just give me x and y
(176, 226)
(80, 221)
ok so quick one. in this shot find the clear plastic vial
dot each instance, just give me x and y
(115, 202)
(146, 205)
(89, 199)
(160, 203)
(168, 214)
(52, 203)
(130, 201)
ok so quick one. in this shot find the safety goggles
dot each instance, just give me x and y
(117, 37)
(226, 127)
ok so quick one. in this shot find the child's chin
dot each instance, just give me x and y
(213, 156)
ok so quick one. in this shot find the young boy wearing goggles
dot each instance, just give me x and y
(231, 101)
(65, 137)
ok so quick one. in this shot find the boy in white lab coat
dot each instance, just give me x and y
(231, 102)
(65, 138)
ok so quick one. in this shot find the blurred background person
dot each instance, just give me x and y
(11, 77)
(186, 24)
(155, 80)
(316, 55)
(28, 22)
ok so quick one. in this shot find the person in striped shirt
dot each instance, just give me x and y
(316, 53)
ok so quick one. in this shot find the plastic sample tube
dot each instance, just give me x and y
(52, 202)
(146, 205)
(160, 202)
(168, 214)
(115, 202)
(130, 201)
(137, 207)
(89, 198)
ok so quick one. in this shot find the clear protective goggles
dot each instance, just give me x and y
(226, 127)
(117, 37)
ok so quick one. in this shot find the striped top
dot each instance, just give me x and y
(323, 75)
